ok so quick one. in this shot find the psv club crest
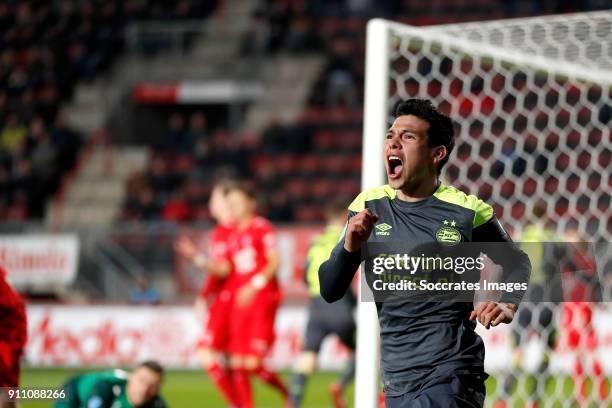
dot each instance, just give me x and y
(448, 234)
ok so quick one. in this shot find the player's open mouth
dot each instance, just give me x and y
(394, 166)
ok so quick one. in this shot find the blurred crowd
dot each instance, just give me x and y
(46, 48)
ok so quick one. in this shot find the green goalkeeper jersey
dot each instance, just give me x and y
(106, 389)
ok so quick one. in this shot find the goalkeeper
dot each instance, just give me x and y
(116, 389)
(430, 353)
(325, 319)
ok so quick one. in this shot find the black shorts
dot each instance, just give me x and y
(325, 319)
(455, 390)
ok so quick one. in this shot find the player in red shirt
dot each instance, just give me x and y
(256, 297)
(215, 293)
(13, 335)
(581, 292)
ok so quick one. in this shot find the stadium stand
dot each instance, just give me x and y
(294, 163)
(46, 48)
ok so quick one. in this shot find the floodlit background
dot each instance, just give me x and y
(117, 117)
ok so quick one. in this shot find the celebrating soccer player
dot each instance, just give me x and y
(256, 295)
(215, 293)
(430, 353)
(323, 318)
(13, 336)
(116, 389)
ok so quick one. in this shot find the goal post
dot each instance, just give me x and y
(531, 100)
(376, 97)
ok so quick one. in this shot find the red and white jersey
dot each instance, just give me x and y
(219, 239)
(12, 313)
(9, 299)
(248, 248)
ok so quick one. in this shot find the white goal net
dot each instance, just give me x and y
(532, 103)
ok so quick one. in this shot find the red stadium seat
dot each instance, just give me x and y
(297, 189)
(309, 213)
(322, 188)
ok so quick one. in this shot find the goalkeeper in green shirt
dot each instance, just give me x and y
(324, 318)
(116, 389)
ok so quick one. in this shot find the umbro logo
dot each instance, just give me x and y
(383, 229)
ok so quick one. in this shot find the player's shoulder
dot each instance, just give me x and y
(483, 212)
(222, 230)
(371, 194)
(260, 223)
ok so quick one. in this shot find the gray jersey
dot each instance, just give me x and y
(422, 340)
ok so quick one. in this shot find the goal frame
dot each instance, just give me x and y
(376, 118)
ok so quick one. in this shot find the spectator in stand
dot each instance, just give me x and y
(144, 293)
(203, 154)
(160, 179)
(177, 209)
(274, 137)
(340, 75)
(302, 37)
(279, 207)
(146, 208)
(177, 140)
(197, 128)
(67, 141)
(13, 133)
(267, 178)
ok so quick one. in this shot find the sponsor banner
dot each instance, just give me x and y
(114, 336)
(39, 260)
(195, 92)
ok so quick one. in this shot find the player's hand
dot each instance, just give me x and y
(186, 247)
(493, 313)
(359, 229)
(200, 307)
(246, 295)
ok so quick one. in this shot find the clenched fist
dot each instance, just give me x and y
(359, 229)
(493, 313)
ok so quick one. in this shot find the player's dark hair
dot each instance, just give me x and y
(153, 366)
(245, 187)
(440, 126)
(539, 209)
(225, 185)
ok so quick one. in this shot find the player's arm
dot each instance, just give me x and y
(272, 260)
(336, 274)
(257, 282)
(516, 268)
(219, 266)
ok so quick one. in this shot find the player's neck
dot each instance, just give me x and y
(244, 222)
(418, 191)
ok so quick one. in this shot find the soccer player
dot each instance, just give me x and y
(256, 295)
(215, 293)
(13, 336)
(430, 353)
(323, 318)
(116, 389)
(582, 291)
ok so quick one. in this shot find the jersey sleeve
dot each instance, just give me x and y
(210, 286)
(336, 274)
(219, 246)
(503, 251)
(268, 237)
